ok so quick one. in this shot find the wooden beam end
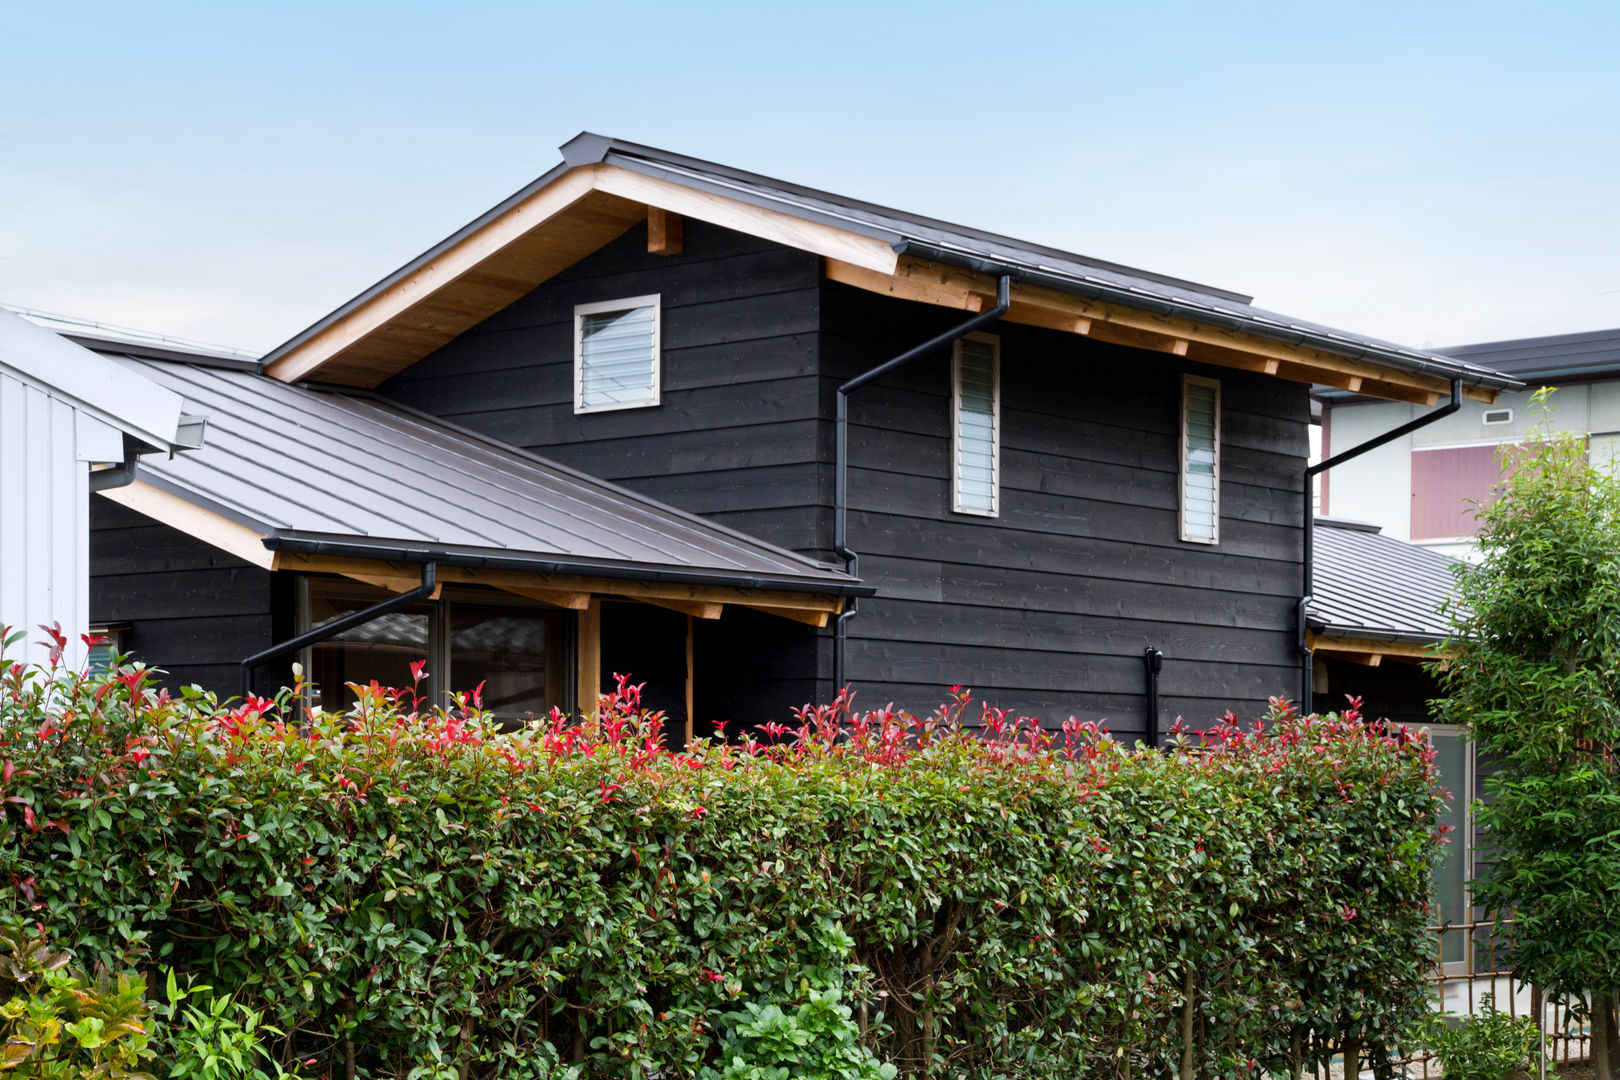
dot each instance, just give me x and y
(664, 232)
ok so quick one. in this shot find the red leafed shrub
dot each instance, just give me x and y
(410, 892)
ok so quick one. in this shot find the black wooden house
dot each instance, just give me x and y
(1088, 464)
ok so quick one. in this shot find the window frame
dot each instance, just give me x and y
(1184, 453)
(628, 303)
(994, 341)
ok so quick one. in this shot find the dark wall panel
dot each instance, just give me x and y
(1048, 607)
(736, 435)
(194, 611)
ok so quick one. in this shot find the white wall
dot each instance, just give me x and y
(45, 449)
(1377, 486)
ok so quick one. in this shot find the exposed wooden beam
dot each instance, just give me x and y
(573, 601)
(692, 609)
(774, 600)
(734, 214)
(395, 583)
(663, 232)
(804, 615)
(213, 529)
(904, 288)
(1352, 647)
(1117, 324)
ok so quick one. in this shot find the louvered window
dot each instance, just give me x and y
(1200, 459)
(616, 354)
(976, 426)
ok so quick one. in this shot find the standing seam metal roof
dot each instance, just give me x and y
(1369, 585)
(304, 464)
(934, 239)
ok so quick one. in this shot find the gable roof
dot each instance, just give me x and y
(1587, 354)
(1369, 586)
(604, 186)
(139, 408)
(295, 470)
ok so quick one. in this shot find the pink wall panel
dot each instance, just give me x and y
(1443, 481)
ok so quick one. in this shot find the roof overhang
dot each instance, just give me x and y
(568, 583)
(603, 188)
(1373, 647)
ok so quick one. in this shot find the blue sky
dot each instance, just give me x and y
(1435, 173)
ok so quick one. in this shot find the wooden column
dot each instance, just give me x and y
(588, 678)
(689, 730)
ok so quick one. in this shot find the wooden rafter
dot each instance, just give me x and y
(1371, 651)
(696, 609)
(914, 279)
(221, 532)
(664, 232)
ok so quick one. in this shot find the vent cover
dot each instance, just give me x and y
(1498, 416)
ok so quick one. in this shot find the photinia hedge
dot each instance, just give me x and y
(409, 892)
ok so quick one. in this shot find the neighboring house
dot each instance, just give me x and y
(1090, 463)
(1421, 488)
(65, 413)
(1375, 618)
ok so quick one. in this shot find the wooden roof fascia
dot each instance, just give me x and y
(216, 530)
(1362, 649)
(554, 227)
(915, 279)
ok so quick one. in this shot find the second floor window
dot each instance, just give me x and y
(1200, 459)
(616, 354)
(976, 426)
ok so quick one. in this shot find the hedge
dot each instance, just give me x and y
(409, 892)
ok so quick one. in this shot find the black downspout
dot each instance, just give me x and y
(424, 591)
(1309, 520)
(1153, 663)
(852, 561)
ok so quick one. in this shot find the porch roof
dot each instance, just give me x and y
(292, 473)
(1370, 587)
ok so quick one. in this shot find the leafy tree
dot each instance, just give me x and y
(1535, 677)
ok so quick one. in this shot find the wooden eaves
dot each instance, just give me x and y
(581, 209)
(1372, 651)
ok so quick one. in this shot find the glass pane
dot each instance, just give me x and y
(976, 426)
(616, 357)
(1200, 454)
(1451, 875)
(516, 655)
(378, 651)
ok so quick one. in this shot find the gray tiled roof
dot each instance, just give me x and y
(1369, 585)
(308, 465)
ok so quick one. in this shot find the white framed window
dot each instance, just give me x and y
(616, 354)
(976, 426)
(1200, 460)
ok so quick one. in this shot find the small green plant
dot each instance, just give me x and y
(816, 1039)
(1489, 1045)
(56, 1023)
(214, 1038)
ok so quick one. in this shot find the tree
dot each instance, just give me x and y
(1535, 679)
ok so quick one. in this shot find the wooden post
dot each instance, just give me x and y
(588, 677)
(689, 728)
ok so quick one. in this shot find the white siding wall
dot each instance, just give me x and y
(1377, 486)
(44, 514)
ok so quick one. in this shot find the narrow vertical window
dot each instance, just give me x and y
(976, 426)
(616, 351)
(1200, 459)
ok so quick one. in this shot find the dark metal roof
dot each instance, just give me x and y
(1591, 353)
(941, 241)
(343, 473)
(1367, 585)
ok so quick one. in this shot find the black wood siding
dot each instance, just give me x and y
(194, 610)
(736, 436)
(1048, 607)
